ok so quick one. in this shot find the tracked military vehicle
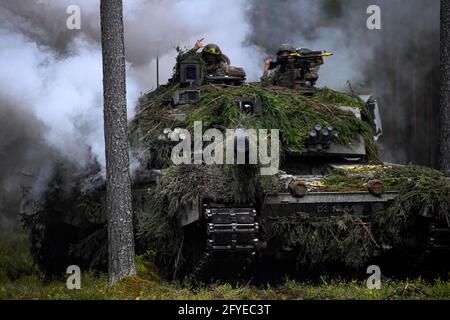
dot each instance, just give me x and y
(297, 215)
(332, 203)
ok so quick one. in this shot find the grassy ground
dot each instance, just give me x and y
(19, 279)
(137, 288)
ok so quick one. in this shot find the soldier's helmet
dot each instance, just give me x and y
(285, 47)
(212, 49)
(304, 50)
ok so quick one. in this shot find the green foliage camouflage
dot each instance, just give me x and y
(323, 240)
(422, 192)
(179, 187)
(285, 109)
(293, 114)
(346, 239)
(329, 96)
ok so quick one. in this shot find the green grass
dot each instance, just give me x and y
(137, 288)
(27, 283)
(15, 257)
(20, 279)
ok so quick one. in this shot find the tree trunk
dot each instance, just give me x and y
(445, 86)
(118, 194)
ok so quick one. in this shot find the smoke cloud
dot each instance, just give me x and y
(51, 77)
(398, 65)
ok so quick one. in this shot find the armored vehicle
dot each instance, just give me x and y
(331, 203)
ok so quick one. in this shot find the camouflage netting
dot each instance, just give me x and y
(321, 241)
(180, 186)
(285, 109)
(343, 239)
(293, 114)
(423, 192)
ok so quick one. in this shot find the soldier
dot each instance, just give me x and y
(216, 62)
(282, 73)
(313, 75)
(275, 70)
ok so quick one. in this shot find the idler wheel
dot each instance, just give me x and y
(375, 187)
(298, 188)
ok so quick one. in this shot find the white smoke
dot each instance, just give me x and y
(57, 73)
(156, 28)
(398, 64)
(305, 24)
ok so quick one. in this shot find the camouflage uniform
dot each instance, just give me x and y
(284, 76)
(216, 63)
(217, 68)
(313, 74)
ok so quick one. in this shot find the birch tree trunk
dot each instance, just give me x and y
(118, 197)
(445, 86)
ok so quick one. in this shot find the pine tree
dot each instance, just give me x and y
(118, 198)
(445, 86)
